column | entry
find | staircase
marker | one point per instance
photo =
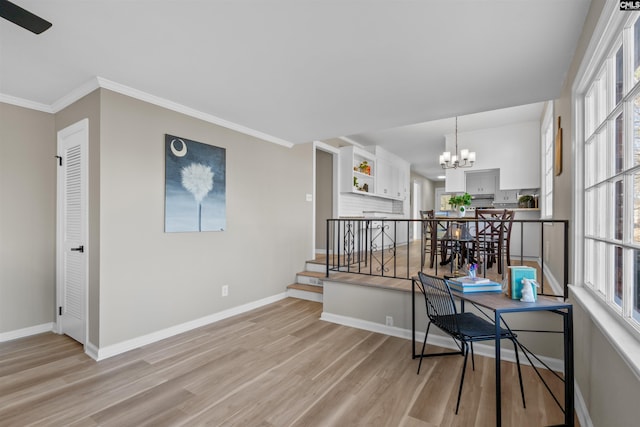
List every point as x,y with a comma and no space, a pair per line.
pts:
308,284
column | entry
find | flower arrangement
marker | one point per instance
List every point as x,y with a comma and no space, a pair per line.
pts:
460,200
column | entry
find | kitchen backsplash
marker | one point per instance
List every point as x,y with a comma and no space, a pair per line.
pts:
355,204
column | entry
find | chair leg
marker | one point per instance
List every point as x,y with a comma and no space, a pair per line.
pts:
473,362
464,367
424,344
515,346
433,253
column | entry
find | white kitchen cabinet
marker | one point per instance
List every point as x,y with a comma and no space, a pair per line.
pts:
358,170
481,182
506,196
386,177
392,175
392,179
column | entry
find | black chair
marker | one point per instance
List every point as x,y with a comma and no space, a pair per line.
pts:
464,328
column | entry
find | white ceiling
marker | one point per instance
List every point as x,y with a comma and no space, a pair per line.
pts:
302,70
422,143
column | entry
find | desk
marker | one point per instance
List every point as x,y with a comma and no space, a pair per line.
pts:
499,304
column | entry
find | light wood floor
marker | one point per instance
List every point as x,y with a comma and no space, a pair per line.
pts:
275,366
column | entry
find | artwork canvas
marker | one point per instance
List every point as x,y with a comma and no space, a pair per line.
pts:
195,186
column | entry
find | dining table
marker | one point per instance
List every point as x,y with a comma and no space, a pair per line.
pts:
456,242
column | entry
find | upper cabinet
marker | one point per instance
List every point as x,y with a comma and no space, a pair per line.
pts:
484,182
358,170
514,150
392,179
506,196
376,173
389,180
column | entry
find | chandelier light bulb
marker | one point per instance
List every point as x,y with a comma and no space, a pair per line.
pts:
466,159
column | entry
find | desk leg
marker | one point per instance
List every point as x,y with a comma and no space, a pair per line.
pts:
568,368
498,390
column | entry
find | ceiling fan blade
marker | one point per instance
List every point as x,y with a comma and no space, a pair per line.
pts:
22,17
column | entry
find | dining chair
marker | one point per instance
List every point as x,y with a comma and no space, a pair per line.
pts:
432,245
493,237
429,238
465,328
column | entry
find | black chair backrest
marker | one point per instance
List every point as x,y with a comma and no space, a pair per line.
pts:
441,308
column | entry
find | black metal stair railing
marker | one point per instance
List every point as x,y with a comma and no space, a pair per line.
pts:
395,248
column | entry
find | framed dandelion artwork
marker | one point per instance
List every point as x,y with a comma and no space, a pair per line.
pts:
195,187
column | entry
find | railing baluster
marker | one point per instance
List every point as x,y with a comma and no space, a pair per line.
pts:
352,242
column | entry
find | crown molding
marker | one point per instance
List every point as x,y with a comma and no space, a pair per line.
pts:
351,141
76,94
100,82
25,103
179,108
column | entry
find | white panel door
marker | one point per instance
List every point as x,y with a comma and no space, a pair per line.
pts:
72,254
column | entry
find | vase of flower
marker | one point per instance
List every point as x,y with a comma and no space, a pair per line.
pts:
459,204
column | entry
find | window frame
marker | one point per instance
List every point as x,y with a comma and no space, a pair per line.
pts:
595,189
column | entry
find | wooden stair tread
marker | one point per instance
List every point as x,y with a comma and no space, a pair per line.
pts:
318,274
309,288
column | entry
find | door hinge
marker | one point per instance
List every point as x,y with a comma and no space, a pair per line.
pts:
59,160
60,311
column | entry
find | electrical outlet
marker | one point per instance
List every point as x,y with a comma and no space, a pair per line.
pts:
389,321
225,290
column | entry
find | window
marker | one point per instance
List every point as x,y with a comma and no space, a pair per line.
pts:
547,162
610,130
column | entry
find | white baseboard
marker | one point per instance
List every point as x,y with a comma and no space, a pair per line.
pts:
91,350
115,349
434,339
25,332
581,408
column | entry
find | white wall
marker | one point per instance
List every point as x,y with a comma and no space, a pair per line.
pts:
514,149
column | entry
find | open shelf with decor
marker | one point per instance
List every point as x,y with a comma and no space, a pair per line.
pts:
358,167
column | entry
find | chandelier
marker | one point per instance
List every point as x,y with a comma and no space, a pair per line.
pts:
466,159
